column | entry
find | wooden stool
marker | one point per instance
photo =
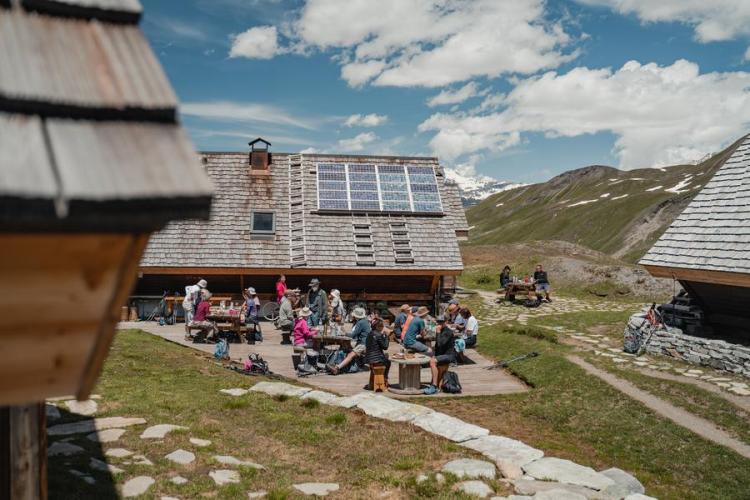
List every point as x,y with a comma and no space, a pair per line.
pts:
441,371
377,378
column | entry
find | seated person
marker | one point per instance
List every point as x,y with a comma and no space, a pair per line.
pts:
459,322
360,332
208,328
286,313
445,352
542,283
505,277
417,331
398,323
471,328
302,331
251,309
376,349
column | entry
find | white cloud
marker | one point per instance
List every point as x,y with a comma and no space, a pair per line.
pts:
309,151
260,42
428,43
173,27
356,143
247,112
448,96
713,20
371,120
661,115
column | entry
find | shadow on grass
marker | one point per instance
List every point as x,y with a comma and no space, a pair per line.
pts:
76,476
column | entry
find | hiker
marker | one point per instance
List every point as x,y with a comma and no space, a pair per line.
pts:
189,303
302,331
505,277
471,327
317,302
445,352
459,322
280,288
398,323
416,331
542,283
359,335
251,308
376,349
336,310
208,328
285,323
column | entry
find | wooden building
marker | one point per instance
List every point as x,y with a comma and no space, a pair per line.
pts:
92,160
375,227
707,248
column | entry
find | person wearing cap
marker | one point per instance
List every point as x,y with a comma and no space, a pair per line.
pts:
317,301
445,352
416,330
336,312
361,330
302,331
190,302
251,308
286,314
200,318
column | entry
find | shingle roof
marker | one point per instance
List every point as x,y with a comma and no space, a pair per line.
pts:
713,232
225,240
88,130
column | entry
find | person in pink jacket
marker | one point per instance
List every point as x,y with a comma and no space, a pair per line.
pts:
302,331
280,288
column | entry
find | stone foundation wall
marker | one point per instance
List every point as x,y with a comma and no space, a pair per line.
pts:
702,351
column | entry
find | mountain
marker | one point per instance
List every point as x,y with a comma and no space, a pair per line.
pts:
620,213
475,188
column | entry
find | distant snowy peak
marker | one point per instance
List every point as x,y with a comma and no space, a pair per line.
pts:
475,188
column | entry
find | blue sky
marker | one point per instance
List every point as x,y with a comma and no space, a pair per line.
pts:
528,88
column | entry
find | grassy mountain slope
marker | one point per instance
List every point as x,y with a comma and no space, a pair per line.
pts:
620,213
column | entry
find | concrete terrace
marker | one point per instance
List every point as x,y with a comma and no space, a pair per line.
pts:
475,379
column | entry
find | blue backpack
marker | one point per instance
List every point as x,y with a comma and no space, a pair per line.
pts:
221,351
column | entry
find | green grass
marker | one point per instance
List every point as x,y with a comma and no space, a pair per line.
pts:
573,415
296,440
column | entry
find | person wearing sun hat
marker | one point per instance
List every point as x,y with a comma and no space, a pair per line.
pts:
416,330
361,330
251,308
302,331
317,301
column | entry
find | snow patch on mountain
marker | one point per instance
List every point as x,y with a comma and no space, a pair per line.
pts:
475,187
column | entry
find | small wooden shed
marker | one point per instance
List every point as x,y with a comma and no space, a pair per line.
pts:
707,247
92,160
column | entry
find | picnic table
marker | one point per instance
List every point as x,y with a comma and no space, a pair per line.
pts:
519,288
342,341
227,323
409,374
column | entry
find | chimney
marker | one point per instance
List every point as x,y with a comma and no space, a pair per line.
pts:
260,157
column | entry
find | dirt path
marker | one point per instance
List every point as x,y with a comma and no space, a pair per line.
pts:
698,425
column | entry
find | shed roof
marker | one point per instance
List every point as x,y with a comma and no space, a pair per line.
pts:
328,239
713,232
88,130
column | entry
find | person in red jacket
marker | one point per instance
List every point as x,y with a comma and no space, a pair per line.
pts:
280,288
208,328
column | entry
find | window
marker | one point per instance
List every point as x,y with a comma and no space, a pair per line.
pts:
263,223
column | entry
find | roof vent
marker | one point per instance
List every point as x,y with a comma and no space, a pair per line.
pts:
260,157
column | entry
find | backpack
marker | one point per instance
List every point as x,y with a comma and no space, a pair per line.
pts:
451,384
459,345
221,351
256,365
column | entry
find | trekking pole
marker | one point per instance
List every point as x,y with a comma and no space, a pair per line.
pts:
505,363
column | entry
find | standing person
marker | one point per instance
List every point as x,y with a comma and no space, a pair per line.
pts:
189,303
318,303
376,349
359,335
471,328
286,315
336,312
251,307
416,330
542,283
200,318
280,288
445,352
505,277
302,331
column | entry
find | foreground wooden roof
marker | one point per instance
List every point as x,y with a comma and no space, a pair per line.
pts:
712,235
89,138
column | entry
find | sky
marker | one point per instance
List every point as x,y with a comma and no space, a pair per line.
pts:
518,90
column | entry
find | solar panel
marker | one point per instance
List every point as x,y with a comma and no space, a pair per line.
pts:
378,188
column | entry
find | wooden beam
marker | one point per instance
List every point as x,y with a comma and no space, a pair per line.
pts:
299,271
701,276
435,284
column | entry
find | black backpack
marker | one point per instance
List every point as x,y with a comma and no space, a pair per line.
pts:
451,383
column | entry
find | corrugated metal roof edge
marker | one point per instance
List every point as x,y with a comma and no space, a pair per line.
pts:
326,155
47,109
66,9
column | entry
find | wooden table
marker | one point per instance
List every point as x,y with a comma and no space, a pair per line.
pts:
323,340
521,287
409,375
227,323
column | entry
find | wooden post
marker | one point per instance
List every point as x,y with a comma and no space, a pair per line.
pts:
23,452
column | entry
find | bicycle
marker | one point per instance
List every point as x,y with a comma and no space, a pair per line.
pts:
270,311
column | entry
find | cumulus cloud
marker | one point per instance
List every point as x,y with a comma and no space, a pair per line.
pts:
428,43
356,143
371,120
260,42
661,115
245,112
448,96
713,20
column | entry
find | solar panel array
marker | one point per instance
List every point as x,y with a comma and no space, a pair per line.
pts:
378,188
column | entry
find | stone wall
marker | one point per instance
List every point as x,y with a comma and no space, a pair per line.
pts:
703,351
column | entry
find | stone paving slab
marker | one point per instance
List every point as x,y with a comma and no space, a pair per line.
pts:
531,487
137,486
279,389
565,471
470,468
449,427
106,436
501,448
97,424
625,484
474,488
322,397
316,489
159,431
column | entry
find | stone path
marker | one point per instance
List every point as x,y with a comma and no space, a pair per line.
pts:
698,425
476,381
529,471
